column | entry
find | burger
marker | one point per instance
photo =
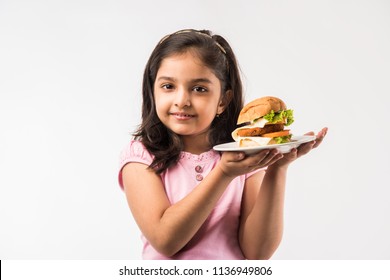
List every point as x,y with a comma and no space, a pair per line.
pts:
262,122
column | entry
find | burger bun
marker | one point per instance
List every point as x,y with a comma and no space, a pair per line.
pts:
259,108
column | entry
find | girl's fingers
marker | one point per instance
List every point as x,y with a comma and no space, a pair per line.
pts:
273,160
234,156
310,133
247,160
264,159
320,136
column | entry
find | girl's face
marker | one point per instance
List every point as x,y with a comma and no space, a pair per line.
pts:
187,95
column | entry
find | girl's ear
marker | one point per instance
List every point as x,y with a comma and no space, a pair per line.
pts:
224,102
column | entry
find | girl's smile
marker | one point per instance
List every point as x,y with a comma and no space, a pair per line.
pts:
187,96
182,116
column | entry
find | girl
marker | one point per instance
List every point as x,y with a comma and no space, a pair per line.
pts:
189,201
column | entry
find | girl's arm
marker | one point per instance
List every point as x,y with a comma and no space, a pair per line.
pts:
261,225
170,227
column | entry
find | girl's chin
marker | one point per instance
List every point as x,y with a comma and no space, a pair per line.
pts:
184,131
187,130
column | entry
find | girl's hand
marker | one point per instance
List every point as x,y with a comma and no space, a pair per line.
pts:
235,164
302,149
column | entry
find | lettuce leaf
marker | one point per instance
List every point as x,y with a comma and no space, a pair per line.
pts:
282,139
287,115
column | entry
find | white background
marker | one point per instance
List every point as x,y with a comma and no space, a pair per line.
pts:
70,80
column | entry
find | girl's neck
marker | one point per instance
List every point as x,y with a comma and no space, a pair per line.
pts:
196,144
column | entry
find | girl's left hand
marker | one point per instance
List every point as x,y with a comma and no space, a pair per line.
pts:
302,149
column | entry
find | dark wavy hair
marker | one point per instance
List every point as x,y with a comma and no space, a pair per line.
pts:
215,52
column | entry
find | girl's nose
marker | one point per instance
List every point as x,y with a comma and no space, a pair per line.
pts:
182,99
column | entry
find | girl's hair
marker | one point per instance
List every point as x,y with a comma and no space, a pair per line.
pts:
216,54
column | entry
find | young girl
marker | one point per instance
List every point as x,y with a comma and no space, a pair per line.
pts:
189,201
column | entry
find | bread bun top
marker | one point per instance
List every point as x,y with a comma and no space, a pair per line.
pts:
259,108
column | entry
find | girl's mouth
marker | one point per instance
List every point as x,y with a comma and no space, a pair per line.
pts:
182,116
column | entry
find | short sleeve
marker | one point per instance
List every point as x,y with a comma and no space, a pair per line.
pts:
135,151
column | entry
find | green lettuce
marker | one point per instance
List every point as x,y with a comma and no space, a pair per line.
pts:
282,139
287,115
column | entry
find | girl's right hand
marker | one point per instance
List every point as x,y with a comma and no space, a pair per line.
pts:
234,164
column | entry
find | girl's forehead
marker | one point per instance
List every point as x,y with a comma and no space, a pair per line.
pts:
184,62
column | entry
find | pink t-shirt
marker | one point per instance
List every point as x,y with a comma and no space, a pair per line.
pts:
218,236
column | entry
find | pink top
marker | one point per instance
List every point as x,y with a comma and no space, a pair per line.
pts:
218,236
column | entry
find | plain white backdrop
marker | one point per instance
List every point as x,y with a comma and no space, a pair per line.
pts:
70,80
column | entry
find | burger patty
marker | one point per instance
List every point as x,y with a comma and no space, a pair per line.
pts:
258,131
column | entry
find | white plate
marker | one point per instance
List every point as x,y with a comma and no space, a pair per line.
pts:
282,148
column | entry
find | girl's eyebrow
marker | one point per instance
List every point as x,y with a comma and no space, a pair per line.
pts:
201,80
166,78
198,80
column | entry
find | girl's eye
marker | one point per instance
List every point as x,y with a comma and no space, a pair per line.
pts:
167,86
199,89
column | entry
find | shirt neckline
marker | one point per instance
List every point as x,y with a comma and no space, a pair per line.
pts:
208,155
